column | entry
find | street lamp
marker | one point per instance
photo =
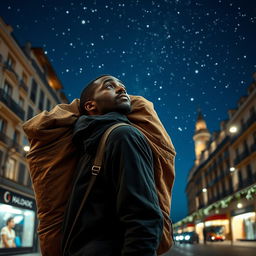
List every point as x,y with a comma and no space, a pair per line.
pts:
233,129
239,205
204,190
26,148
232,169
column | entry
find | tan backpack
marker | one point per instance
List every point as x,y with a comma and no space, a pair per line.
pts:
52,160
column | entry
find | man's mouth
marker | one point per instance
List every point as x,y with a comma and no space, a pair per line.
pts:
123,96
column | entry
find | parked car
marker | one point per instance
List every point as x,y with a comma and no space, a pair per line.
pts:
215,233
186,237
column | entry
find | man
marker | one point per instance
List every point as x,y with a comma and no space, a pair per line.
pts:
122,214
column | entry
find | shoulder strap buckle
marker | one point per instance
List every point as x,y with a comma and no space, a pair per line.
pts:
96,170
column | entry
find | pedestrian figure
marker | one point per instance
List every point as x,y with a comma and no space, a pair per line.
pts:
122,214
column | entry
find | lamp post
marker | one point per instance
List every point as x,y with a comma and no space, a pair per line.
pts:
233,129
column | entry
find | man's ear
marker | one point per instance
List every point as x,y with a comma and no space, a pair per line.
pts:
90,106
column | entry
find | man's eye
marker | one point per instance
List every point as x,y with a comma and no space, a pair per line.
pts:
109,86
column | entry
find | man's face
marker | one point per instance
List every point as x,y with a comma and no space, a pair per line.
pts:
110,95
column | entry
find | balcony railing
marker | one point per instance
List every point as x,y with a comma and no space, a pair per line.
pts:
246,183
10,68
10,143
242,156
11,104
253,148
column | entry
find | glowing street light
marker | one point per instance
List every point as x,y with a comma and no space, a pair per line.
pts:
232,169
239,205
233,129
204,190
26,148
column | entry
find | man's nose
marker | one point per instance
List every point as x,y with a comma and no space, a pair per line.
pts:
120,89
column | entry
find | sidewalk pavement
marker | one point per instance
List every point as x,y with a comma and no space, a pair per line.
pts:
235,243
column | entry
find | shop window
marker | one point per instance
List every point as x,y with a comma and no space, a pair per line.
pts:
21,173
33,91
13,207
41,100
7,89
30,113
10,169
244,226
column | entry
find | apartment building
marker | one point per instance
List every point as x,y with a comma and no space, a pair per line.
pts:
28,85
221,185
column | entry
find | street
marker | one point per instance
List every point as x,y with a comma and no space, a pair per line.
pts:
210,250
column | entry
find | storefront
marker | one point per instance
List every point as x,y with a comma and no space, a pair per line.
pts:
216,227
18,214
199,226
244,224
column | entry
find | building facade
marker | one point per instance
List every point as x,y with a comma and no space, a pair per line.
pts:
221,186
28,85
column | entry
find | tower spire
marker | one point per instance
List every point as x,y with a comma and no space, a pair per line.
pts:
201,136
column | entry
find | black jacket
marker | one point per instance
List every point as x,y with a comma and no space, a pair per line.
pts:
122,216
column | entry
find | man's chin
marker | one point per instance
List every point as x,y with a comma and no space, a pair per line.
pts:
124,108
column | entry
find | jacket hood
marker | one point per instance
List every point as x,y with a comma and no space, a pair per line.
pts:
89,129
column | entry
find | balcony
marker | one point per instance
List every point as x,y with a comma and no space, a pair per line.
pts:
23,86
11,144
253,148
246,183
241,157
12,105
11,71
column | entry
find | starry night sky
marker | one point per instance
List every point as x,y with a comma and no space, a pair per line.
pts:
179,54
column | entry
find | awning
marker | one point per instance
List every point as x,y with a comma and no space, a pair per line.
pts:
216,217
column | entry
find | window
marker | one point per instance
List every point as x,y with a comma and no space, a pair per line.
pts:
10,62
30,112
48,105
249,173
21,102
1,159
252,111
242,123
24,225
240,178
7,89
245,146
3,125
33,91
24,78
10,169
21,173
16,137
41,100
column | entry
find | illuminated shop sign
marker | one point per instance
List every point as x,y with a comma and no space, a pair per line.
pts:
11,198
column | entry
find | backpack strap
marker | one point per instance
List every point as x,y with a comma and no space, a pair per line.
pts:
97,164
